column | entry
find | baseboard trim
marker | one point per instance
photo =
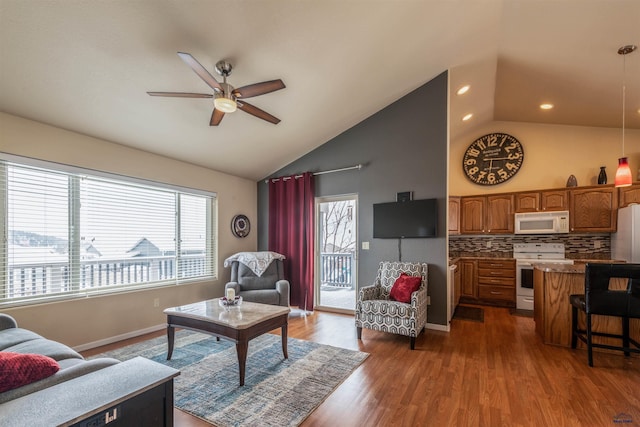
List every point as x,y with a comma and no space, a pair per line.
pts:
438,327
111,340
133,334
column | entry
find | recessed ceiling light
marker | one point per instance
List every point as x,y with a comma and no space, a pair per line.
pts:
546,106
467,117
463,90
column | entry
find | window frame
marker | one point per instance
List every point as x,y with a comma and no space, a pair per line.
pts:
76,174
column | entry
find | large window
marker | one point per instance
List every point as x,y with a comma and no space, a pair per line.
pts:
68,233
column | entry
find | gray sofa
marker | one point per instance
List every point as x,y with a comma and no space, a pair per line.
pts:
268,288
72,364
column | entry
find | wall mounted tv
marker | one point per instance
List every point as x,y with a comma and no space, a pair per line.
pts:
410,219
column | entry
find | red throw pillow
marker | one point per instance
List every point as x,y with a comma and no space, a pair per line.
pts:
404,286
17,369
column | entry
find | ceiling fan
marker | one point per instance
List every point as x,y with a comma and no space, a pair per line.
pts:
226,98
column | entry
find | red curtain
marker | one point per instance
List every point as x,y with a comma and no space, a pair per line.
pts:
291,232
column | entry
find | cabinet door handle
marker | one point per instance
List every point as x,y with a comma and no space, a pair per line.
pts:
496,293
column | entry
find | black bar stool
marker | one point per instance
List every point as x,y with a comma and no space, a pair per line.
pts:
599,299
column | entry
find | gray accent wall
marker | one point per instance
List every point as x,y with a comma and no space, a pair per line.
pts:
403,147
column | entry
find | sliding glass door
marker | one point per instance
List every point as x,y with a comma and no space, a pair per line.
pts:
336,253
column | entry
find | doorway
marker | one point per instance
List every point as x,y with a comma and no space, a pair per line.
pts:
336,253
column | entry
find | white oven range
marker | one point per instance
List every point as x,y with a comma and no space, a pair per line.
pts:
527,254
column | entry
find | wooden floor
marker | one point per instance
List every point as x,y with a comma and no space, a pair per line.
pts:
496,373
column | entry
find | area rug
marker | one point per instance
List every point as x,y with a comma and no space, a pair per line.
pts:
277,391
463,312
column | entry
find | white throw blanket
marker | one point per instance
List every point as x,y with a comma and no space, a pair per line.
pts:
258,262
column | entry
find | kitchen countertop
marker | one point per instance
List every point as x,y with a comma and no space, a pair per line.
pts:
560,268
576,268
576,257
497,258
496,254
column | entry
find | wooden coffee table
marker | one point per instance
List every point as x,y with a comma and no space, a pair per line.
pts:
239,324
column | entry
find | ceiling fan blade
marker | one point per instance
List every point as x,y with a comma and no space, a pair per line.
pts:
258,89
200,70
255,111
181,94
216,117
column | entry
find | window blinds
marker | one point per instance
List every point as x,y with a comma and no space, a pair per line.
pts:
69,234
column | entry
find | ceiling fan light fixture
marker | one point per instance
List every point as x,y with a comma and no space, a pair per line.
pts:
225,96
226,105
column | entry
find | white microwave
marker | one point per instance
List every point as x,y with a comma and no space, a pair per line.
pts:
542,222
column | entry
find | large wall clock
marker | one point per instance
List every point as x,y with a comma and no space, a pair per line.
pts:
493,159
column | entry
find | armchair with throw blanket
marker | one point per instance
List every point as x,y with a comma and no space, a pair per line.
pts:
396,302
259,277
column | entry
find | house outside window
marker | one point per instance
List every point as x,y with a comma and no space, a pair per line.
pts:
69,233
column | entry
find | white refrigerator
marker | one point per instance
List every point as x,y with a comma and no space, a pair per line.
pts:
625,243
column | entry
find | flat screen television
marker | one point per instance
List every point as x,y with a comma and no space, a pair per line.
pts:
400,220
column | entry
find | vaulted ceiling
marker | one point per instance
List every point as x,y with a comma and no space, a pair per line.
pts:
86,65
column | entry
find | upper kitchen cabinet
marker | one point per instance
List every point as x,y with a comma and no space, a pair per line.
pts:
554,200
548,200
593,209
472,215
527,202
487,214
629,195
500,213
454,215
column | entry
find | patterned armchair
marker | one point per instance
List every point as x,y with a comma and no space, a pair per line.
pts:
374,309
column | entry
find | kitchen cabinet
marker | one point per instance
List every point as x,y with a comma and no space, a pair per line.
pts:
497,281
554,200
468,278
527,202
628,195
472,215
593,209
536,201
491,214
488,281
454,215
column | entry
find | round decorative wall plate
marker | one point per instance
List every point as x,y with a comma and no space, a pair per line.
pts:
492,159
240,226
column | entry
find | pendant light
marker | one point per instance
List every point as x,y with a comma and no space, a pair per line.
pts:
623,174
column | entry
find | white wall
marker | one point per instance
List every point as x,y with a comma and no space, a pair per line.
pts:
87,320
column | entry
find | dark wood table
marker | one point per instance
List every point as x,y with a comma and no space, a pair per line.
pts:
239,324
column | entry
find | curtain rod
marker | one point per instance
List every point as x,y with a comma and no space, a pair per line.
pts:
266,181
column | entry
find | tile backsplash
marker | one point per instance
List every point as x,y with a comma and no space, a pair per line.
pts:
577,246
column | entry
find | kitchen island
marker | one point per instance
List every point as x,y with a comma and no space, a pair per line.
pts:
552,286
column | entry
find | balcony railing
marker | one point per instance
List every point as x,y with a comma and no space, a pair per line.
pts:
26,280
336,270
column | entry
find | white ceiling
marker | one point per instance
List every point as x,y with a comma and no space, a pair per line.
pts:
86,66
